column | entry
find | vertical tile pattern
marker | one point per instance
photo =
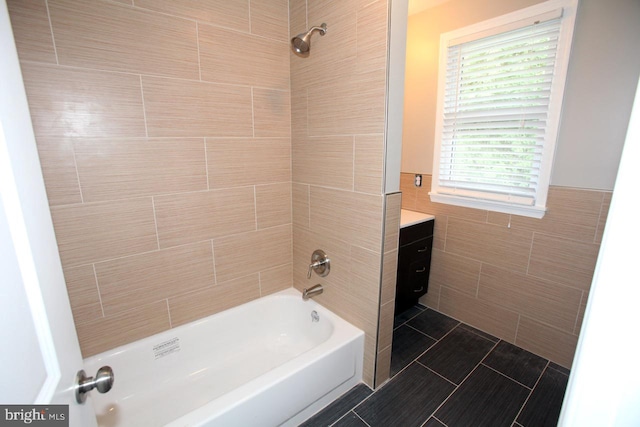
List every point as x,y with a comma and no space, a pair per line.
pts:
163,129
337,128
524,280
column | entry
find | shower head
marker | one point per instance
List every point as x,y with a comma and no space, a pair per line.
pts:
302,42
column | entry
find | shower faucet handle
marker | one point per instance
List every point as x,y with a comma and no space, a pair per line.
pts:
320,263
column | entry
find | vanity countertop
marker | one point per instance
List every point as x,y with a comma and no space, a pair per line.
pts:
408,218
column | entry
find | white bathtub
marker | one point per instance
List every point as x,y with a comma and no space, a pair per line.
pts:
265,363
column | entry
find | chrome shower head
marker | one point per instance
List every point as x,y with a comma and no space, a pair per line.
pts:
302,42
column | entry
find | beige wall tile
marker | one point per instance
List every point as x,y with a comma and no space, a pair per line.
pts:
432,298
548,342
553,304
571,213
324,161
365,276
197,108
563,261
276,279
298,110
273,205
487,317
383,367
271,113
409,192
456,272
226,13
440,232
126,283
604,212
499,246
297,16
338,46
389,272
107,36
193,217
392,221
498,218
225,57
110,332
372,35
205,302
99,231
269,18
31,30
82,103
300,194
83,293
354,217
368,163
241,162
252,252
121,168
348,105
385,331
59,170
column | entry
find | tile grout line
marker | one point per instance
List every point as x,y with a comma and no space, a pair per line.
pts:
438,374
515,420
533,237
198,46
462,382
508,377
53,38
575,324
213,257
155,222
144,109
206,164
95,275
169,313
75,165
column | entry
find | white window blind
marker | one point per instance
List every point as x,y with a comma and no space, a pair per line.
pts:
497,111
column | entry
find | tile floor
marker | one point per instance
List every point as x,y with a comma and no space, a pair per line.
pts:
446,373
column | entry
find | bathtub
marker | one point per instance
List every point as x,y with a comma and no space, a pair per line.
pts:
273,361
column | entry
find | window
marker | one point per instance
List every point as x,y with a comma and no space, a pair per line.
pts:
500,89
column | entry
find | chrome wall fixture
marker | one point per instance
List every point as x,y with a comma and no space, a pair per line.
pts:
320,263
301,43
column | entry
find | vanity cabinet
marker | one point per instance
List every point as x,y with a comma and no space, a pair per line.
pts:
414,263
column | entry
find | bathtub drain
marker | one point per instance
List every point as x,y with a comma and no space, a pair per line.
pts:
314,316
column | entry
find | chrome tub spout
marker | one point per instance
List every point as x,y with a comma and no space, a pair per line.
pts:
311,292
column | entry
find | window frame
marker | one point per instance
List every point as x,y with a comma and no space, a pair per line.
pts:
494,26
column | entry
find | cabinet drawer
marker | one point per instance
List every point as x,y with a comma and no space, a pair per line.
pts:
420,249
416,232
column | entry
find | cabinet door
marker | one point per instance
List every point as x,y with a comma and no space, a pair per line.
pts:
414,262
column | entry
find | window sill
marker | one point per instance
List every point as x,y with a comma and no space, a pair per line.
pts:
490,205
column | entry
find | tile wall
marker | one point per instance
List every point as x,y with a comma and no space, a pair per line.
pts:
338,119
524,280
163,128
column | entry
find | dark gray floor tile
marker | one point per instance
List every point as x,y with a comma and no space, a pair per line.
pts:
408,314
434,423
407,345
432,323
557,367
350,420
339,407
407,400
543,407
516,363
486,398
479,332
455,355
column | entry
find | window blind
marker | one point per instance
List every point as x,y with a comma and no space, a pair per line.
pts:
496,105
